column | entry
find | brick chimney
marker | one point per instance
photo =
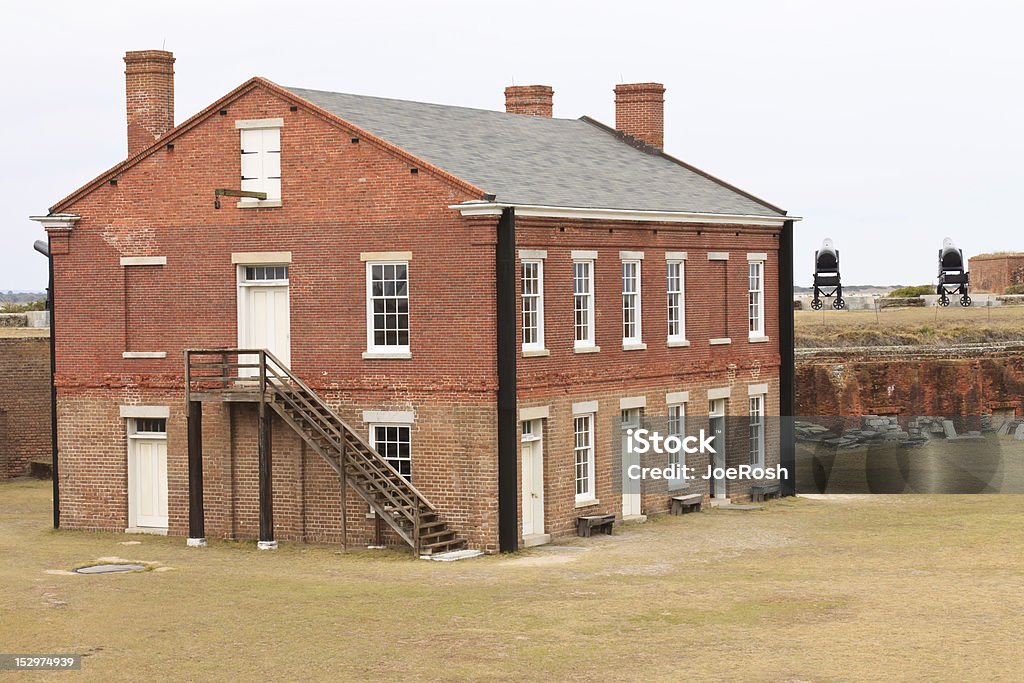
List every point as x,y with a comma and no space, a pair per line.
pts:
532,100
640,112
149,85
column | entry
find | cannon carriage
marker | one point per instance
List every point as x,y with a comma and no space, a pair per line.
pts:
953,275
827,282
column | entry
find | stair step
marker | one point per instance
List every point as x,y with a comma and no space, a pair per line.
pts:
439,546
436,535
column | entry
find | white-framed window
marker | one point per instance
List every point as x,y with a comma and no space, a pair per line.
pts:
583,303
261,159
387,306
675,288
264,275
631,313
677,427
394,443
757,431
755,297
583,428
532,292
147,427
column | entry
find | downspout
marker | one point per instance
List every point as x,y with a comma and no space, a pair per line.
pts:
787,358
44,249
508,427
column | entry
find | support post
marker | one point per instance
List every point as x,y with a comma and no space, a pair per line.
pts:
508,423
343,462
787,357
267,541
196,514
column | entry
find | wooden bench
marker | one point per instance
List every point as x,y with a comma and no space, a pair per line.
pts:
587,525
692,502
762,492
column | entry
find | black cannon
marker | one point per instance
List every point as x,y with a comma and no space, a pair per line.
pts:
953,276
826,277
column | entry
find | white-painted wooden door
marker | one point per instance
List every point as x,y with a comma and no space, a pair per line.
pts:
147,498
630,486
716,424
533,478
264,316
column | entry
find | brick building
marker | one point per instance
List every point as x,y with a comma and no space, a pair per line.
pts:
996,272
471,300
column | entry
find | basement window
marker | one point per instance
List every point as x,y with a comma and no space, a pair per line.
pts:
394,443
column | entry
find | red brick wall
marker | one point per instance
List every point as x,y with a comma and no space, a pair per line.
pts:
24,404
339,199
716,306
910,383
995,272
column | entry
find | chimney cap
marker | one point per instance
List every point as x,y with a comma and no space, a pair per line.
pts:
132,56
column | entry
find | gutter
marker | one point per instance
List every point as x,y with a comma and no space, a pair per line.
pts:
492,208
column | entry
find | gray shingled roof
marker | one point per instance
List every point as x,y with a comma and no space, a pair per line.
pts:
540,161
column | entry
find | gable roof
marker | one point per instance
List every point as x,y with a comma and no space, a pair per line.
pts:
533,160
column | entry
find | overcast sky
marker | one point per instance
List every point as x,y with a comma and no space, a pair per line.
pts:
885,125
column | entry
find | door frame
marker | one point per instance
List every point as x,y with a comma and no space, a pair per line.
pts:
634,497
717,409
535,439
243,289
134,438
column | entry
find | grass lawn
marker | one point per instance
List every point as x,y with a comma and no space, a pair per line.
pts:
863,588
909,326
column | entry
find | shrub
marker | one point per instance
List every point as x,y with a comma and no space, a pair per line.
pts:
1014,289
23,308
915,290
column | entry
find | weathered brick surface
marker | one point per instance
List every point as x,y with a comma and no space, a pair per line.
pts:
995,272
910,381
24,404
340,199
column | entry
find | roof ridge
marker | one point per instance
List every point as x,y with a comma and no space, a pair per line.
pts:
429,104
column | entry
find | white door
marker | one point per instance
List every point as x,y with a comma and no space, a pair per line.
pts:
263,313
533,478
716,423
147,477
630,486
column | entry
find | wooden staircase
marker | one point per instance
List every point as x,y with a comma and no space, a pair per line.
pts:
392,498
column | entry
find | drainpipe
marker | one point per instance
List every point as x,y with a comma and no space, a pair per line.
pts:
787,357
44,249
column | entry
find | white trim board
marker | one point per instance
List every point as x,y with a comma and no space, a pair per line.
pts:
385,256
145,412
244,124
535,413
400,417
255,258
482,208
584,407
143,260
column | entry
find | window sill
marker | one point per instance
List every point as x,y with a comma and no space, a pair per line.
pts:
535,353
759,340
634,346
144,354
677,487
673,343
387,355
588,503
586,349
720,340
260,204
